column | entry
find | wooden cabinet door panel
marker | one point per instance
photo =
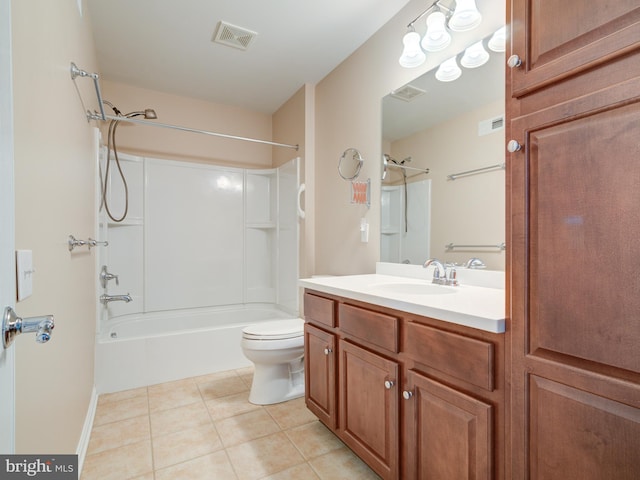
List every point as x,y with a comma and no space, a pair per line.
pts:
320,374
577,434
557,39
368,410
450,433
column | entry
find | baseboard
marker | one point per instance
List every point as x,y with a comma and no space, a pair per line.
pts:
83,444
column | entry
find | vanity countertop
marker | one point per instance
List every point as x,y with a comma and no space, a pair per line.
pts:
476,303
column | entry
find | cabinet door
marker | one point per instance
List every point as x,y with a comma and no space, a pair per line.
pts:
320,374
369,407
449,434
557,39
575,306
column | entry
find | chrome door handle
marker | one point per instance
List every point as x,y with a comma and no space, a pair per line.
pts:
327,351
388,384
13,325
407,394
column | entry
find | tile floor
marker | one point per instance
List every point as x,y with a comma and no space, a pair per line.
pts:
205,428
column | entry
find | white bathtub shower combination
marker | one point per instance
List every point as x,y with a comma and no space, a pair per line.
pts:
204,251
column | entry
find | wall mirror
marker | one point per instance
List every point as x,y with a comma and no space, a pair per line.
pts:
456,130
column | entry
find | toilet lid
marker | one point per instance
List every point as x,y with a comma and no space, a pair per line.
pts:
275,330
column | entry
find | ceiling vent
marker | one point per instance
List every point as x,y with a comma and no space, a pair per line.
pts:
407,93
233,36
491,125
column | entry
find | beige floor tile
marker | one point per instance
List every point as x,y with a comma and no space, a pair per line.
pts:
173,394
210,377
263,456
215,466
291,414
222,387
185,445
148,476
299,472
119,463
245,427
180,418
120,433
121,410
342,464
314,439
246,374
225,407
124,395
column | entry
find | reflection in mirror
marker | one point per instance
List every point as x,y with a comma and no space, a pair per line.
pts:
456,130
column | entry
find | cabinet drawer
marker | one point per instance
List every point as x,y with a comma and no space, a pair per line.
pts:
373,327
461,357
320,310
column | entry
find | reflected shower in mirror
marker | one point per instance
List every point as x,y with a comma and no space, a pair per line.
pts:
454,129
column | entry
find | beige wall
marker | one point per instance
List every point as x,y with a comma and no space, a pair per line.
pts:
191,113
54,184
348,114
469,210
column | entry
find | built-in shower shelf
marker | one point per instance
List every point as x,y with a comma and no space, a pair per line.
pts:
261,225
389,231
126,223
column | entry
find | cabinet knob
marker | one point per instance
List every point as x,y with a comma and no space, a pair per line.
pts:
514,146
388,384
327,351
407,394
514,61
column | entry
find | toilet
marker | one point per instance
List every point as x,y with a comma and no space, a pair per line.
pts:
276,349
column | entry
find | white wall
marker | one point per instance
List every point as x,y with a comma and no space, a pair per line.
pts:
54,183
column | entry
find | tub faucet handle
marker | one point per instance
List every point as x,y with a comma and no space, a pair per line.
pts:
105,276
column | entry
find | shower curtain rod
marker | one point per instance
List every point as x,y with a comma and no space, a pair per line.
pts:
77,72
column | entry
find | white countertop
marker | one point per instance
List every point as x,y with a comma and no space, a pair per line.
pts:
472,304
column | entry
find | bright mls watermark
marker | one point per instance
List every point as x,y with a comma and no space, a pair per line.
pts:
50,467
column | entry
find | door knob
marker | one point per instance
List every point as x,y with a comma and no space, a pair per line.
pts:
514,61
407,394
327,351
513,146
388,384
13,325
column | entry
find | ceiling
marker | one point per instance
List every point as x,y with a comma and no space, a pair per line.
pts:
166,45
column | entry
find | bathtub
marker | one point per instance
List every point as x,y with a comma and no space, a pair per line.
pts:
144,349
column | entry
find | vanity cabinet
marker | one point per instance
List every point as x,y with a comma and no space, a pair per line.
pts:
573,105
414,397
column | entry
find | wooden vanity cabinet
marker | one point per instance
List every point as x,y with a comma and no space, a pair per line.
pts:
414,400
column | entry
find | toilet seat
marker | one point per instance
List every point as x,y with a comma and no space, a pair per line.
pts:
275,330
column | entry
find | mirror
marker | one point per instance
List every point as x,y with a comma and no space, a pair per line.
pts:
455,130
350,164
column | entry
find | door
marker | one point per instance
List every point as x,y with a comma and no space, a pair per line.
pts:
320,374
7,258
369,408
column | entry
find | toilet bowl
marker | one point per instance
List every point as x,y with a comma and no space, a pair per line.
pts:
276,349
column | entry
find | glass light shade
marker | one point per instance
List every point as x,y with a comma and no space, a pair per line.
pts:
498,41
437,38
412,54
474,56
448,71
465,17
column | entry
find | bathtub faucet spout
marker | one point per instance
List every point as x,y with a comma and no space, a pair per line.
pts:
105,299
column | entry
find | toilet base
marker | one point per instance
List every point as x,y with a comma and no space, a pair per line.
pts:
277,383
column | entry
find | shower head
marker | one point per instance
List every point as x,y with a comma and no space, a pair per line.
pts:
148,113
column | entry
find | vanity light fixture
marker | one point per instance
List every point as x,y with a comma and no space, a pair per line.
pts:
474,56
448,71
498,41
465,17
412,55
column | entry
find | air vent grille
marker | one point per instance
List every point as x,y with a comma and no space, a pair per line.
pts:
407,93
233,36
485,127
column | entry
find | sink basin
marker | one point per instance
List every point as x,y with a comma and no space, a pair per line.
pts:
413,288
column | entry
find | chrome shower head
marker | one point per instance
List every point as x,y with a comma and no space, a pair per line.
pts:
148,113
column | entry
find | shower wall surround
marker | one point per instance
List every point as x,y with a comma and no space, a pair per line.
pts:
200,235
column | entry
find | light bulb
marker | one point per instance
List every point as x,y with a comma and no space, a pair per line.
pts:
437,38
498,41
465,17
448,71
412,54
474,56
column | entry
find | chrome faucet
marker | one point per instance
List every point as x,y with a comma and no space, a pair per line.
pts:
442,275
13,325
105,299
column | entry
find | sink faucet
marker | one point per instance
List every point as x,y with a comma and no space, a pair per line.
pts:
105,299
442,275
